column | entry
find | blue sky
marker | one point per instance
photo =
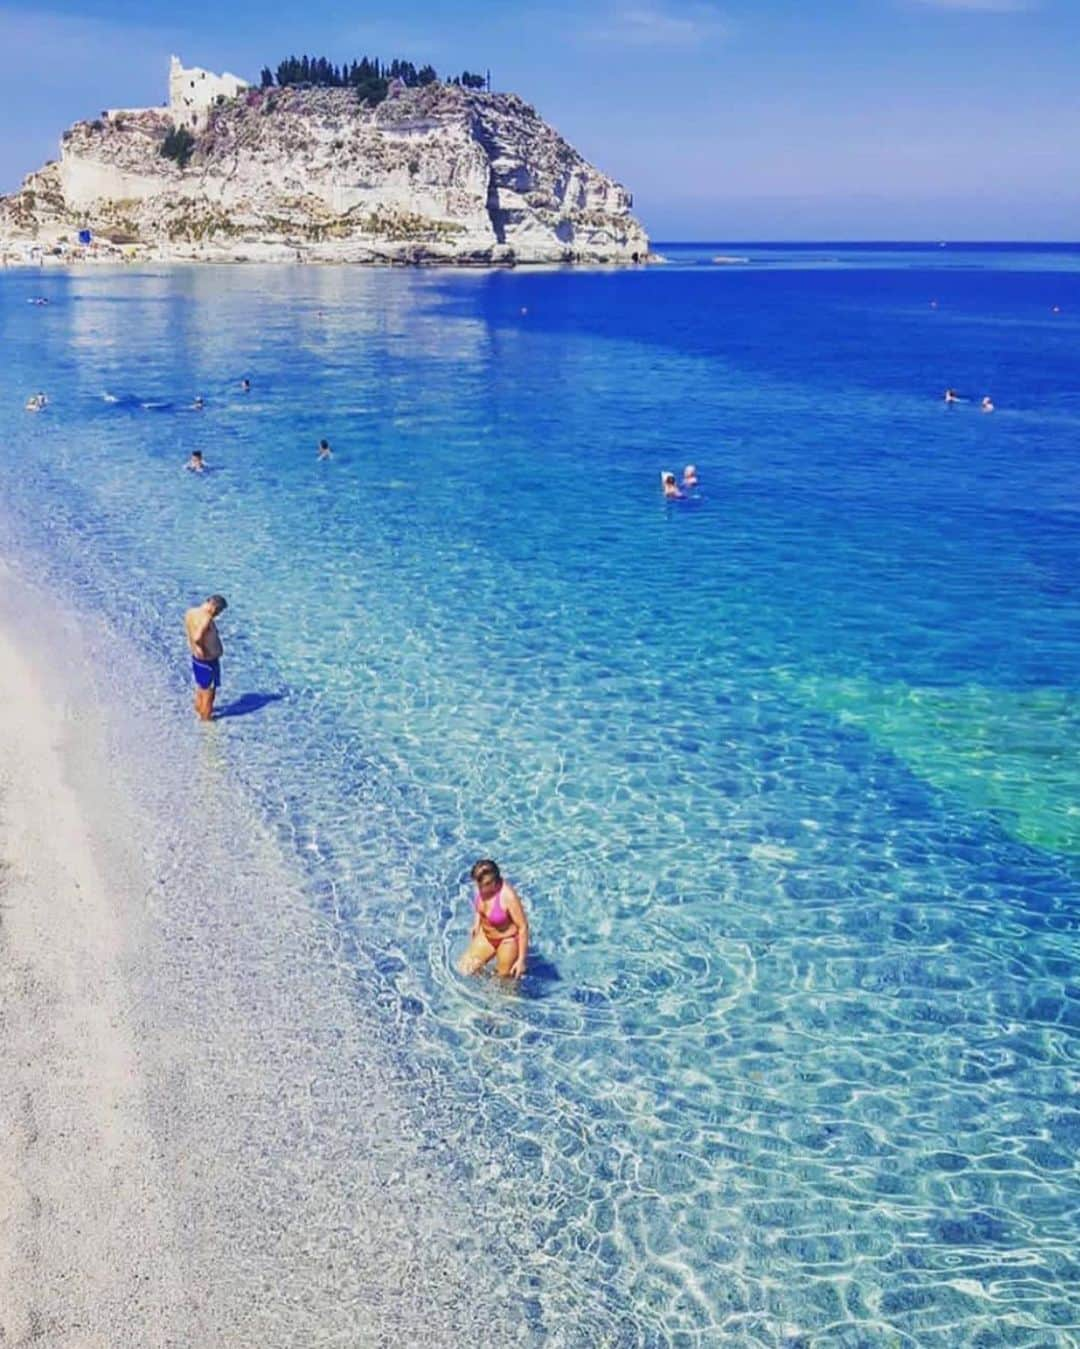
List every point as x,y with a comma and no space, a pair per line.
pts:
743,119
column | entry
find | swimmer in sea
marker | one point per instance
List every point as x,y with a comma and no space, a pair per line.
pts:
951,396
245,385
670,487
325,452
195,463
199,403
987,404
500,928
690,477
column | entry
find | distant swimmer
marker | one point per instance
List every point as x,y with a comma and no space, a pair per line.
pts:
37,402
500,928
37,299
325,452
951,396
199,403
245,385
195,464
987,404
205,644
690,477
670,487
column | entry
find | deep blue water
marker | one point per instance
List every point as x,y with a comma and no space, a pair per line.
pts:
787,773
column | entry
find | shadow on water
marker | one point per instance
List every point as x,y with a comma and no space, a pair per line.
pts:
247,703
542,968
538,981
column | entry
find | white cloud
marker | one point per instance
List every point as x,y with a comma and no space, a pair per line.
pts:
648,25
985,6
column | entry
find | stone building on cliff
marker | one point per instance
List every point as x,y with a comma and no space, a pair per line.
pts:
193,90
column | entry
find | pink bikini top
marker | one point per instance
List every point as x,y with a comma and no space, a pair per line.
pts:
498,917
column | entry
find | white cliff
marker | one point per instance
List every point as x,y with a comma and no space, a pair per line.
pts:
433,174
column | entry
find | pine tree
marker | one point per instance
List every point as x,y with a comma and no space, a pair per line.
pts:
369,76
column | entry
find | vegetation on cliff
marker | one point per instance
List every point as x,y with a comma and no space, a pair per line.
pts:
178,145
370,77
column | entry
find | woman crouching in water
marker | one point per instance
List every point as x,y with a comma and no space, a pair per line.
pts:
500,928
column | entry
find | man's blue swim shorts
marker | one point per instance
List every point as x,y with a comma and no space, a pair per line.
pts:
207,673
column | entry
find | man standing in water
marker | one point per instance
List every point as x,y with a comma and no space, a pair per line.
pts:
205,643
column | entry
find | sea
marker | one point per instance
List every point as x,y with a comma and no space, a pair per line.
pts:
787,772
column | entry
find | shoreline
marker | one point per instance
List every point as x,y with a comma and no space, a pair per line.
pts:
47,263
205,1142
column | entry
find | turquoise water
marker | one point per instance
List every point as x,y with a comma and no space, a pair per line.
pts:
787,775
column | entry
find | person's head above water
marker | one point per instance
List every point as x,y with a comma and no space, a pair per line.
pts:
668,479
689,473
487,876
217,604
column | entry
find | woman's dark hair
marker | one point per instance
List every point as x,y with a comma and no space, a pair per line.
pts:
485,870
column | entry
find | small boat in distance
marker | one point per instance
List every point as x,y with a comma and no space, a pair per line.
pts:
725,260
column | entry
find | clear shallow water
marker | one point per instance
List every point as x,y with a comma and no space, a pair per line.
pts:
788,776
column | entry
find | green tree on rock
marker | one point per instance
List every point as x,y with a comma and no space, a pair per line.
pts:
178,145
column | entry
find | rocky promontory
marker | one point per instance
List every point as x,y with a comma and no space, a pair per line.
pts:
433,174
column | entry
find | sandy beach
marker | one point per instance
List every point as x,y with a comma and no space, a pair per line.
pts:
84,1250
199,1145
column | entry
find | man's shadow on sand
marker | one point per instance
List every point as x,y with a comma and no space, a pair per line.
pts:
246,704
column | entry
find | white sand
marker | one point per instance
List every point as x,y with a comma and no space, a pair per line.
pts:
83,1259
206,1138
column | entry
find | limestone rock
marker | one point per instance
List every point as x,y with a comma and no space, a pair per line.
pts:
434,174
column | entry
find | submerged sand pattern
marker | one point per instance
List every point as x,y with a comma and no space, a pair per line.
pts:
1010,753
